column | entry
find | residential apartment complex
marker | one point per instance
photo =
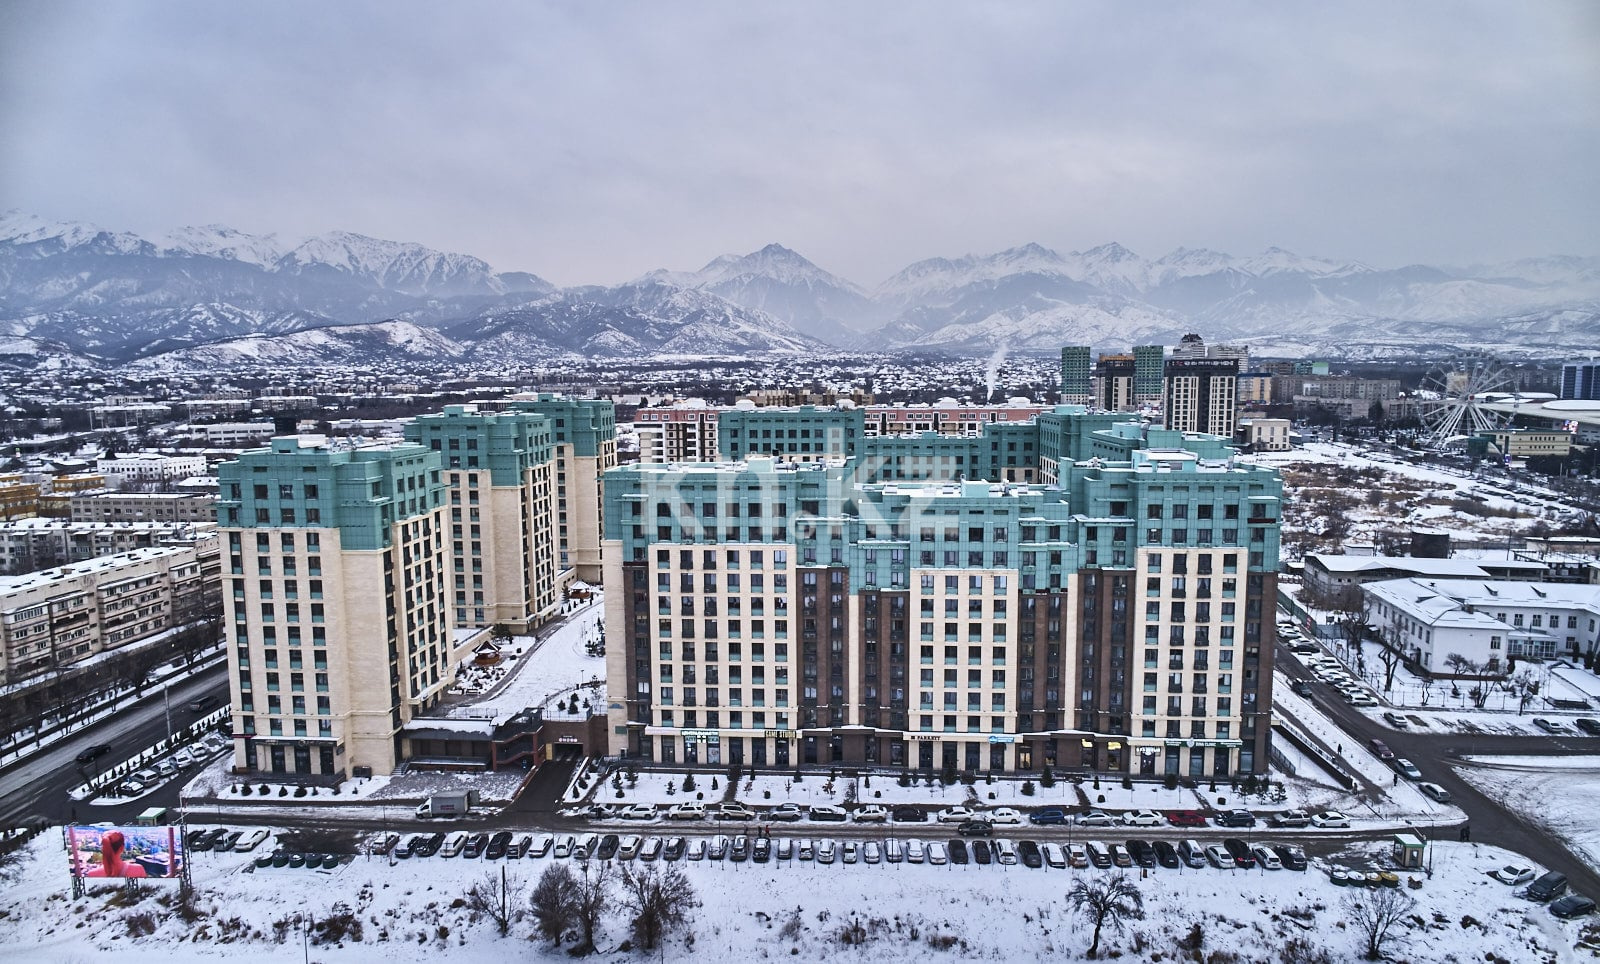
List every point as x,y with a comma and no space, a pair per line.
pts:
337,601
775,612
56,618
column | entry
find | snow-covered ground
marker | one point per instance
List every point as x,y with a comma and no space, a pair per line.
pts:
410,911
1556,793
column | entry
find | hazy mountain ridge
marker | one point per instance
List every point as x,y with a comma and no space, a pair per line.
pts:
77,291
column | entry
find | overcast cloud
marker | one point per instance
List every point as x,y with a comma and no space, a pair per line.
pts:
591,142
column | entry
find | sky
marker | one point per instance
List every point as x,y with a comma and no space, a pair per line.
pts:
590,143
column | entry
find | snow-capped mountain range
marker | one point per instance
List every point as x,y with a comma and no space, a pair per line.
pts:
214,296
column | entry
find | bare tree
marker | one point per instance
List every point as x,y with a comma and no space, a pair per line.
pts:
1524,687
659,899
1109,900
498,897
591,898
554,902
1375,913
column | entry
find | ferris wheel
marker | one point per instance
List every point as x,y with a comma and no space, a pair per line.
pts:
1463,385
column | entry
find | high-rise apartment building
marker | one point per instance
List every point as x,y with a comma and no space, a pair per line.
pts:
1075,388
1581,380
584,431
776,613
336,594
500,471
1202,395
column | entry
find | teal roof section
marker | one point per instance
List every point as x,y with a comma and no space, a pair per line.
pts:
307,482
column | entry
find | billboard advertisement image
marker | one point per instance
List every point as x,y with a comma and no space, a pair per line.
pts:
155,852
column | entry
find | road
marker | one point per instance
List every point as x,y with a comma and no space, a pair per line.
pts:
1437,755
38,785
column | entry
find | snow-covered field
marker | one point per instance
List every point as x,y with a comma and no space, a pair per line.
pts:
411,912
1556,793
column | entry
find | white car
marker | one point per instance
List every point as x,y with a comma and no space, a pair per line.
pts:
687,811
1143,818
1329,818
871,813
952,814
1005,815
250,841
1514,874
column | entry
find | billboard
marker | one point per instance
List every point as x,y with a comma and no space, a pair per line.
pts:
155,852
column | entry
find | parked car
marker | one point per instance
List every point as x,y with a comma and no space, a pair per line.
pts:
1513,874
871,813
687,811
827,850
735,811
953,814
1240,852
1550,885
652,848
975,828
1381,749
1186,818
1095,818
1330,819
90,754
786,812
828,813
1266,857
1435,791
1551,726
958,851
1407,769
909,814
1142,818
1572,906
1220,858
1236,818
938,854
1289,818
1049,815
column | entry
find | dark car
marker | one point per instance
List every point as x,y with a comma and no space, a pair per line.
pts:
608,846
476,844
499,845
1142,853
1591,727
1236,818
975,828
1546,887
1186,818
958,851
94,753
905,814
981,852
1167,855
1572,905
1240,852
1049,815
1293,857
1029,852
